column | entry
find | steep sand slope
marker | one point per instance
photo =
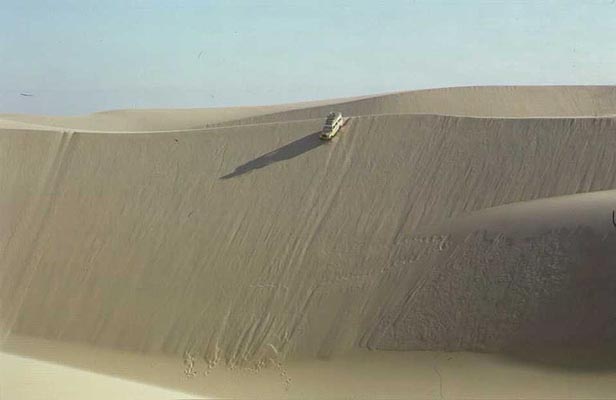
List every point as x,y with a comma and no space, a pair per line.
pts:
254,245
252,241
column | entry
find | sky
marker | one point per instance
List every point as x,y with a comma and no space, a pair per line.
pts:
71,57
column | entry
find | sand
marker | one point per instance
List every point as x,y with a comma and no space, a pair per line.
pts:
471,223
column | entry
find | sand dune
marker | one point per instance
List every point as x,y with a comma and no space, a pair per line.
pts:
255,243
545,275
485,101
151,119
27,378
362,374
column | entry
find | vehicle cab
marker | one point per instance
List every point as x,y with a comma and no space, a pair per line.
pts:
332,125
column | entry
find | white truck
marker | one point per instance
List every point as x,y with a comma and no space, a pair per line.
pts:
332,125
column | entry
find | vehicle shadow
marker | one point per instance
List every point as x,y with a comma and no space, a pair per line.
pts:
285,152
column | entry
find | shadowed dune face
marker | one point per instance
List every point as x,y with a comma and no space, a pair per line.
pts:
502,294
494,282
260,242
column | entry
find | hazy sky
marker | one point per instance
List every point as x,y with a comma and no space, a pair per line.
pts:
82,56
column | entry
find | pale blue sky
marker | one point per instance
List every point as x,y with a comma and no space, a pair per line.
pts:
80,56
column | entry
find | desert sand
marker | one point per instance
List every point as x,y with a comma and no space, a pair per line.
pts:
448,243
